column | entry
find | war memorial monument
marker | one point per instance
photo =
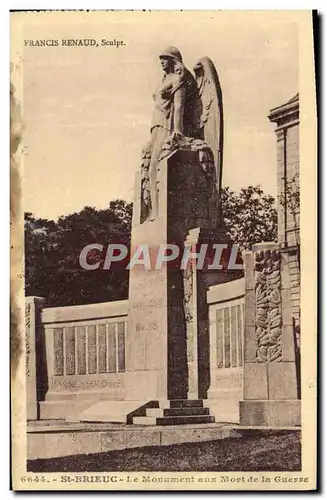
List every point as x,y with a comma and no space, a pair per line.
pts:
196,346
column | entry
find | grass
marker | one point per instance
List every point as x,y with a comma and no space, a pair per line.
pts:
280,451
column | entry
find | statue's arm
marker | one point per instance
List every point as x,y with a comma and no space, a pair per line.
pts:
179,104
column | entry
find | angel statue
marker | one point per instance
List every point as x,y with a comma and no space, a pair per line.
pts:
187,114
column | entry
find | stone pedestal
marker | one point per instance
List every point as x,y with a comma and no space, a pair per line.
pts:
33,306
156,344
270,383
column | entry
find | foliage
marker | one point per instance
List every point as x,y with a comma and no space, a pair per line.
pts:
52,250
290,198
249,216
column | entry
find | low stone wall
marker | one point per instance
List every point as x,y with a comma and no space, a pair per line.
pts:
83,354
226,318
56,442
81,357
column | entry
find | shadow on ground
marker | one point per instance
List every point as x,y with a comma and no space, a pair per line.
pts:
276,452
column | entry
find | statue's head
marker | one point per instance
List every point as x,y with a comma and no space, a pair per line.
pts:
169,57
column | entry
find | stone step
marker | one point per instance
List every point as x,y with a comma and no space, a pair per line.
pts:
180,420
184,420
185,403
145,420
176,412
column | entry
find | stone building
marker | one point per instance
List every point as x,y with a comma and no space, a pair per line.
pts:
287,119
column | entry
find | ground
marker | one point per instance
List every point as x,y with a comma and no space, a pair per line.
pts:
280,451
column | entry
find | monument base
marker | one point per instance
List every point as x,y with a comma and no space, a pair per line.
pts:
161,347
282,413
175,412
224,405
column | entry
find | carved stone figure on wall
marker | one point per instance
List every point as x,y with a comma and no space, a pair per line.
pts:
187,115
268,306
188,292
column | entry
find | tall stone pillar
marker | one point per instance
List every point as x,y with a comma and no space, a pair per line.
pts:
33,307
156,344
270,380
197,280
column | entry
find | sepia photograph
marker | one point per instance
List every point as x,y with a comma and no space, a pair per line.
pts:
163,194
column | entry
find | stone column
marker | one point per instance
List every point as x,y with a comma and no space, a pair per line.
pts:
197,281
270,383
190,307
33,306
156,364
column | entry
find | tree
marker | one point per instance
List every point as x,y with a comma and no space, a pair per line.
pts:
249,216
52,251
289,199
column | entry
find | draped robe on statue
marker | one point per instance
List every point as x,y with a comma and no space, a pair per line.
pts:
183,85
187,115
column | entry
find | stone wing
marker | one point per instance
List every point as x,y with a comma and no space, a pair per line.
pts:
211,120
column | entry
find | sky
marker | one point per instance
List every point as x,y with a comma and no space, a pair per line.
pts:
87,111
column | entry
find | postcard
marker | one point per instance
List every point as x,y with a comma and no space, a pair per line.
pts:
163,250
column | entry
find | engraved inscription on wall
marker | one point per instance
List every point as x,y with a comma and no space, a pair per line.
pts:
145,306
89,349
229,335
69,383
